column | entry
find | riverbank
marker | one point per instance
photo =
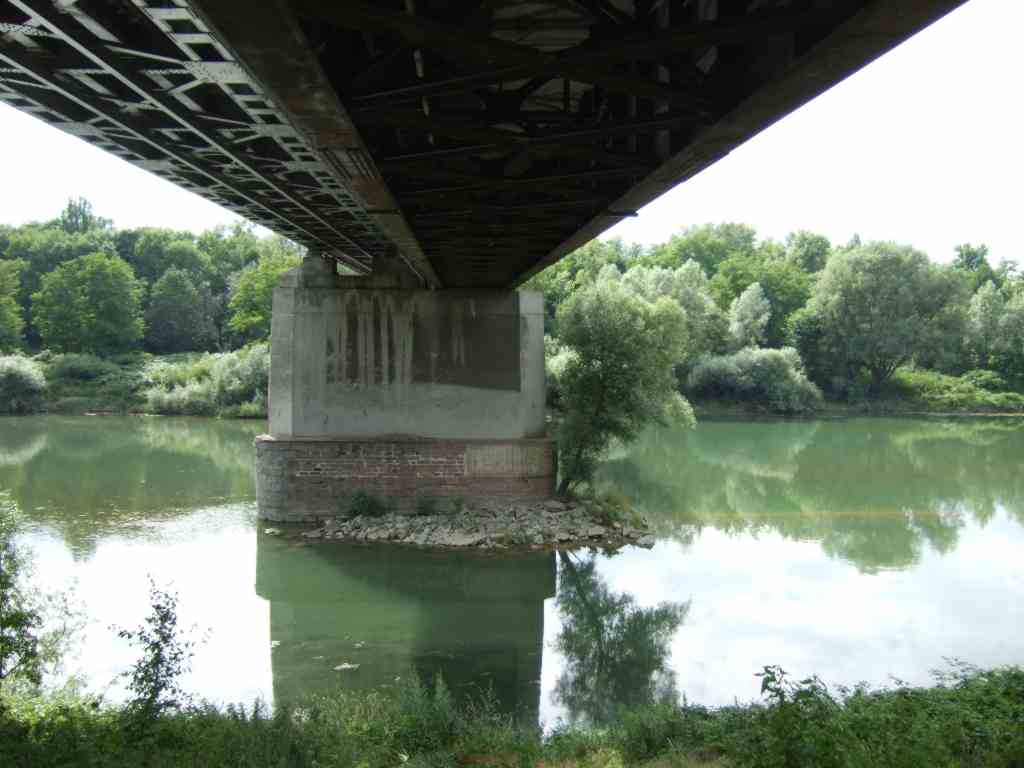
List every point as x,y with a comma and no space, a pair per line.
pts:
968,718
490,525
226,384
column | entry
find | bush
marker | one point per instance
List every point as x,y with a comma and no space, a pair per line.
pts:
937,391
773,378
22,385
75,367
232,384
366,505
987,380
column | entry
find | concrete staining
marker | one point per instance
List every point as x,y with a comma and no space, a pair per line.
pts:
355,362
401,393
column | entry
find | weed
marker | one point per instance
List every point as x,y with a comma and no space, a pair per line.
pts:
366,505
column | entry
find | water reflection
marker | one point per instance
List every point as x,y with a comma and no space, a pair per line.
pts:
615,652
89,477
476,620
849,549
873,492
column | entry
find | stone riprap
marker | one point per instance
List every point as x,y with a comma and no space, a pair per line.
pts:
489,526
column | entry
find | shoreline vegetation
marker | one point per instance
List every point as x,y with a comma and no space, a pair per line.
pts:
968,718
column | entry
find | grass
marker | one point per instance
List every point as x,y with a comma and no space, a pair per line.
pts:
969,718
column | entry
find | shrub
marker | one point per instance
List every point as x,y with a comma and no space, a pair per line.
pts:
366,505
75,367
771,377
22,385
987,380
192,399
951,393
230,384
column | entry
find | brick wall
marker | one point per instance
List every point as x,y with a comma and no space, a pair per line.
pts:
300,480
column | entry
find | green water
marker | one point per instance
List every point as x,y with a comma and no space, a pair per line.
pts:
855,550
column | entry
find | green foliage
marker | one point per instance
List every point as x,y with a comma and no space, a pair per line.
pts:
22,385
577,270
177,320
971,392
227,384
706,325
253,293
708,245
879,305
786,287
90,304
19,619
749,314
366,505
617,375
78,217
76,367
166,654
807,251
12,325
773,378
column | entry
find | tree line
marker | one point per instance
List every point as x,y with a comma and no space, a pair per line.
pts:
854,313
78,284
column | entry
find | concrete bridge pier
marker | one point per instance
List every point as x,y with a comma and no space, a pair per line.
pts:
380,387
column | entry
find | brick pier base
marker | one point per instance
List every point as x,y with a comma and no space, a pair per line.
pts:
304,479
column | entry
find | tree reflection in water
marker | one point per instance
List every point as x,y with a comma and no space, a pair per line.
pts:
872,492
616,652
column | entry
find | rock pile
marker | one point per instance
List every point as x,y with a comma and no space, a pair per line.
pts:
491,526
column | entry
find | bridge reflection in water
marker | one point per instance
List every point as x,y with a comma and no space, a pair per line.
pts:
476,620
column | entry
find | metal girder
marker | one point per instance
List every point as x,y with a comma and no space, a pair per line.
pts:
184,109
456,42
483,140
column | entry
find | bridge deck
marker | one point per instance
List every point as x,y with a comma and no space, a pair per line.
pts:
482,138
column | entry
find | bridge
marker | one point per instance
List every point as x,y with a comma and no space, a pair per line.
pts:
428,145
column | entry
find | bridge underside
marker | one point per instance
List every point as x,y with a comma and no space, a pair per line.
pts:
480,140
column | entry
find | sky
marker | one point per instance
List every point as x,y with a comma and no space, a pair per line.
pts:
923,146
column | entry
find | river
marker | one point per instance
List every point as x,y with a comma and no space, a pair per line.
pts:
856,550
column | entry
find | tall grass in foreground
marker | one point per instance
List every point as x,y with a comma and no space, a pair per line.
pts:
969,718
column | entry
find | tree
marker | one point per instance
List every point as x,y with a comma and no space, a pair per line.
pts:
177,319
786,287
749,316
708,245
253,295
984,318
577,270
78,217
12,325
616,376
706,324
972,262
154,251
90,304
807,251
881,304
970,258
41,249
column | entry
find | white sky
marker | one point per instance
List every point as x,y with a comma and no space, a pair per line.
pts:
923,147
